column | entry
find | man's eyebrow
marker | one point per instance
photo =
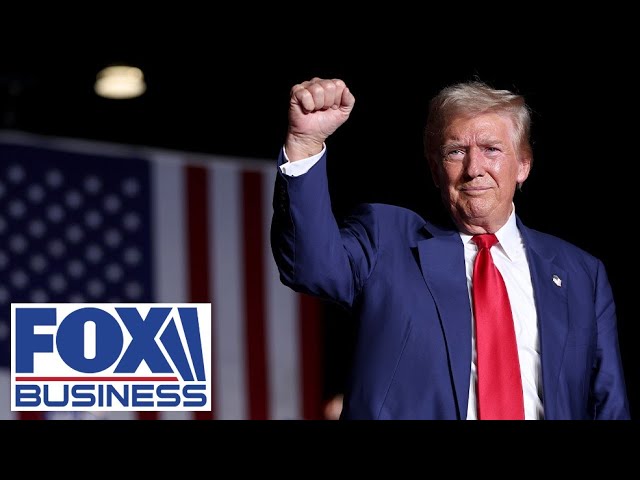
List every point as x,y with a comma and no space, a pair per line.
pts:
452,144
490,140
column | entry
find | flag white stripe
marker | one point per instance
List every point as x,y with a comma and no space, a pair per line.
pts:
112,415
175,415
225,230
5,395
282,328
169,227
170,239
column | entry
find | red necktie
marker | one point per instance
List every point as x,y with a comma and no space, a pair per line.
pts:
498,368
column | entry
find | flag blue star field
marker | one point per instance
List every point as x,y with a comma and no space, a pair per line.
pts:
90,222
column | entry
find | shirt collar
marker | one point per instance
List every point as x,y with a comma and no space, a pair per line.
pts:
508,236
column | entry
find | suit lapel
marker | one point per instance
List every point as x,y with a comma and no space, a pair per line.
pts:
441,261
549,288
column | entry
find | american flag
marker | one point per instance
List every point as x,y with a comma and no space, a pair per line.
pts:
85,221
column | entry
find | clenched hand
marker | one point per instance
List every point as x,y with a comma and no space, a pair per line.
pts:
317,108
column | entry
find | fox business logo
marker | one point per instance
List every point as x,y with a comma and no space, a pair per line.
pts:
80,357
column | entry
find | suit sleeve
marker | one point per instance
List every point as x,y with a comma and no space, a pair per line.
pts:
608,391
313,253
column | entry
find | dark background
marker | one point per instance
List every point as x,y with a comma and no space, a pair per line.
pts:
228,94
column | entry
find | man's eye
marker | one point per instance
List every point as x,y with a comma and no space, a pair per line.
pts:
455,154
493,149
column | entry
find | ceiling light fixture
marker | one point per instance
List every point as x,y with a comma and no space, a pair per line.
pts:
120,82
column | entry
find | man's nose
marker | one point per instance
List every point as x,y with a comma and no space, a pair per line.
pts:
474,165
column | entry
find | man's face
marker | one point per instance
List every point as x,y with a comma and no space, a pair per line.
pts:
479,169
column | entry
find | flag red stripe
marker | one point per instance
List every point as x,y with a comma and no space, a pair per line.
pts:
253,238
147,415
310,353
31,415
198,246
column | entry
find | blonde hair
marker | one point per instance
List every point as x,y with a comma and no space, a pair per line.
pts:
474,98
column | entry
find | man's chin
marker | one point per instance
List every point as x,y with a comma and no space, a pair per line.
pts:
474,220
476,209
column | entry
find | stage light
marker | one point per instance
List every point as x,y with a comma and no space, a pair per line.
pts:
120,82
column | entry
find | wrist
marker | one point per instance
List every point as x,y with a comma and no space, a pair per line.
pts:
300,147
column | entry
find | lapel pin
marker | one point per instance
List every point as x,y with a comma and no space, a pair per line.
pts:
557,281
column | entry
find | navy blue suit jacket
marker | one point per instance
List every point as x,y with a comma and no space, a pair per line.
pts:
404,278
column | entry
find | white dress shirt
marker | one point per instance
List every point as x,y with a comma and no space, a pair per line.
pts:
510,259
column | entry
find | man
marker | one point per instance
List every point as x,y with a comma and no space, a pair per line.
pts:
427,316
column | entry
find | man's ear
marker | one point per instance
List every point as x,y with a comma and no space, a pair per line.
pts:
524,167
435,171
